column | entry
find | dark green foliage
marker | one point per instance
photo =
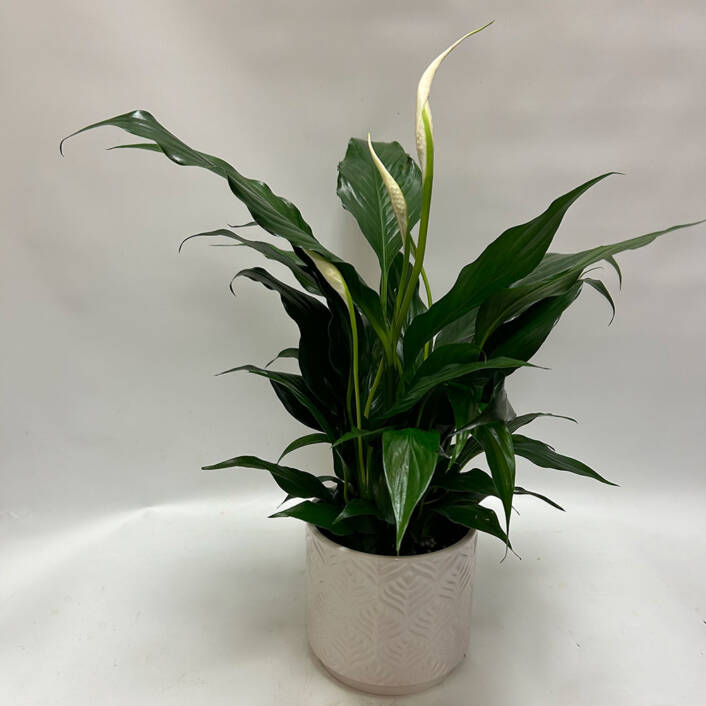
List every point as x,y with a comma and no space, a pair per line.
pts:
405,393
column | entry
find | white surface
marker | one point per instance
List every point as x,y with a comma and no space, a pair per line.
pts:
109,339
203,603
390,625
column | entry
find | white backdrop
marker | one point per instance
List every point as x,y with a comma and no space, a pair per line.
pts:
110,338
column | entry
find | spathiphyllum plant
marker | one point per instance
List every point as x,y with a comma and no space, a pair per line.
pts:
408,391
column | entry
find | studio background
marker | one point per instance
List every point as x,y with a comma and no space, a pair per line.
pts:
110,338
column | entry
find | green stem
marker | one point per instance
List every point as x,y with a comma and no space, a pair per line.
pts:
373,388
423,228
408,243
356,386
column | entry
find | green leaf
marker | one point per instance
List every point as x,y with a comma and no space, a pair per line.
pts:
271,252
496,441
473,481
322,515
294,395
556,263
473,516
473,448
409,457
522,337
363,194
302,441
273,213
285,353
522,491
510,302
543,455
425,381
603,291
614,264
312,319
298,484
507,259
462,330
359,507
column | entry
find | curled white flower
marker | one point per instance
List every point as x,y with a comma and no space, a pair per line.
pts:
397,199
423,90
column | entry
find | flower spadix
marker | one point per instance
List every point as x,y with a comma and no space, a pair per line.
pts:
397,199
331,274
423,90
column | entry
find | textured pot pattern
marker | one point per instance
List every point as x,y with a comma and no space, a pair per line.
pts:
389,625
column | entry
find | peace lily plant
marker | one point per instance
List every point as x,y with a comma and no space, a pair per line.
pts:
408,391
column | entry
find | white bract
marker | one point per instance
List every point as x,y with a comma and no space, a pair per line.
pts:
397,199
423,90
331,274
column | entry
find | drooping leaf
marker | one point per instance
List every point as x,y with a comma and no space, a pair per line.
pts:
302,441
363,194
507,303
271,252
321,514
545,456
294,394
557,263
603,291
312,319
497,443
522,337
273,213
614,264
473,516
522,491
285,353
298,484
409,457
510,257
473,448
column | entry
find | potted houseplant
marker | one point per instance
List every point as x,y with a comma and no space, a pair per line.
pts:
407,391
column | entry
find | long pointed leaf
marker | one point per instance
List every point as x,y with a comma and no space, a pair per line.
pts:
409,458
510,257
475,517
423,383
543,455
322,515
302,441
555,263
294,385
273,213
312,319
298,484
271,252
497,443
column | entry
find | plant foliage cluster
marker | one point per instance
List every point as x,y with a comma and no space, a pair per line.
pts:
408,392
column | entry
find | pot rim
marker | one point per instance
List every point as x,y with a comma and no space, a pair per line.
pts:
314,530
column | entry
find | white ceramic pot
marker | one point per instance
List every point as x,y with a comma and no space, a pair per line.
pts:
385,624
